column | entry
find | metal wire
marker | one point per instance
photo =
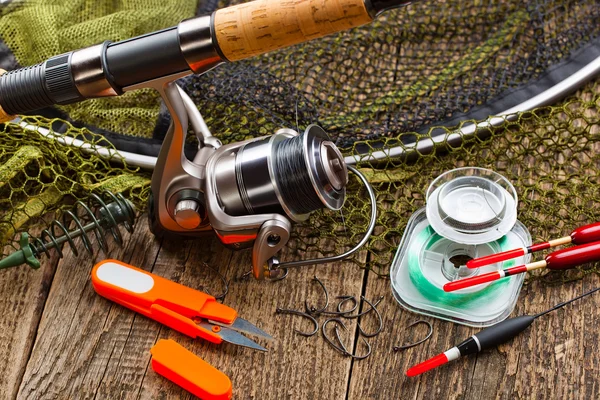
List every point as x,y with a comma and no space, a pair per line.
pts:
102,213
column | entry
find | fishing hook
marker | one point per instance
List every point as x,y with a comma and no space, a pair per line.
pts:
301,314
225,283
342,349
364,312
312,309
243,277
345,299
247,274
373,307
408,346
282,277
339,311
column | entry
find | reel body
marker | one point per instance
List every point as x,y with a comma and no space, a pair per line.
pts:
249,193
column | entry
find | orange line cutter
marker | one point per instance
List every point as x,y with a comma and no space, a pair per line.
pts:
186,310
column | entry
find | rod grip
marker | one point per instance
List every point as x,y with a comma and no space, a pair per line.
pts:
249,29
38,86
4,116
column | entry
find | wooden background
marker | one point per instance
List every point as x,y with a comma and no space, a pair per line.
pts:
59,340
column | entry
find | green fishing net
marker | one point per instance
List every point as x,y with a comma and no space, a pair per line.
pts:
417,73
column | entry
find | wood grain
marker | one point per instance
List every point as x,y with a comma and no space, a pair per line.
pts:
59,340
23,294
293,367
80,333
257,27
89,347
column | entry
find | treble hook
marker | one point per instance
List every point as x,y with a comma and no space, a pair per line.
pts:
408,346
300,313
312,309
373,307
342,349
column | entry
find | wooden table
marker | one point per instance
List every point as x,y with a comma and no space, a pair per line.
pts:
59,339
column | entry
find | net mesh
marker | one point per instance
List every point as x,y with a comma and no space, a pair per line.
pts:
416,73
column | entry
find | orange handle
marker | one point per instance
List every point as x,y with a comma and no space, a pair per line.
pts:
257,27
158,298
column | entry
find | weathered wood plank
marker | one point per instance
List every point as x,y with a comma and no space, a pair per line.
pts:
550,360
123,379
295,366
75,339
23,292
88,347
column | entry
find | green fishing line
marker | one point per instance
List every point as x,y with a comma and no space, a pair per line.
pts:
425,240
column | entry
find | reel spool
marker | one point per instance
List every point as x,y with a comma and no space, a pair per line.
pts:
470,213
249,193
286,173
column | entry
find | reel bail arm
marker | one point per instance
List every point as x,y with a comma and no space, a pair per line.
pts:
274,265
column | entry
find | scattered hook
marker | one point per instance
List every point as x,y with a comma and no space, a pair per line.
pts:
243,277
342,349
225,283
339,309
345,299
373,307
300,313
312,309
365,312
282,277
408,346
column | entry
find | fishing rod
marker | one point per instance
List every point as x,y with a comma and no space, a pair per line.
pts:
487,338
194,46
583,234
558,260
248,193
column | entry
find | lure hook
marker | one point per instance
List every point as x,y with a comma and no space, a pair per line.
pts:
341,348
301,314
408,346
379,329
313,309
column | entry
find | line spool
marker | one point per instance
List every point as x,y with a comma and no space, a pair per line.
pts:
470,213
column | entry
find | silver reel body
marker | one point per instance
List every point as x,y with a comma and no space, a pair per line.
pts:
240,190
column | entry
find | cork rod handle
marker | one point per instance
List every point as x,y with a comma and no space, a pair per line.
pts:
260,26
4,117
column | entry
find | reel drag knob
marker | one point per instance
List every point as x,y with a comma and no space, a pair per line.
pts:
187,214
334,165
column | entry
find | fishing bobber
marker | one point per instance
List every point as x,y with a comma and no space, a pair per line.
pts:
469,213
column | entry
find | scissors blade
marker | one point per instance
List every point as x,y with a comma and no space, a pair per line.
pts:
243,326
231,336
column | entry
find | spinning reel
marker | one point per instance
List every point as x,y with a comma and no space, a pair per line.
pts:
251,192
